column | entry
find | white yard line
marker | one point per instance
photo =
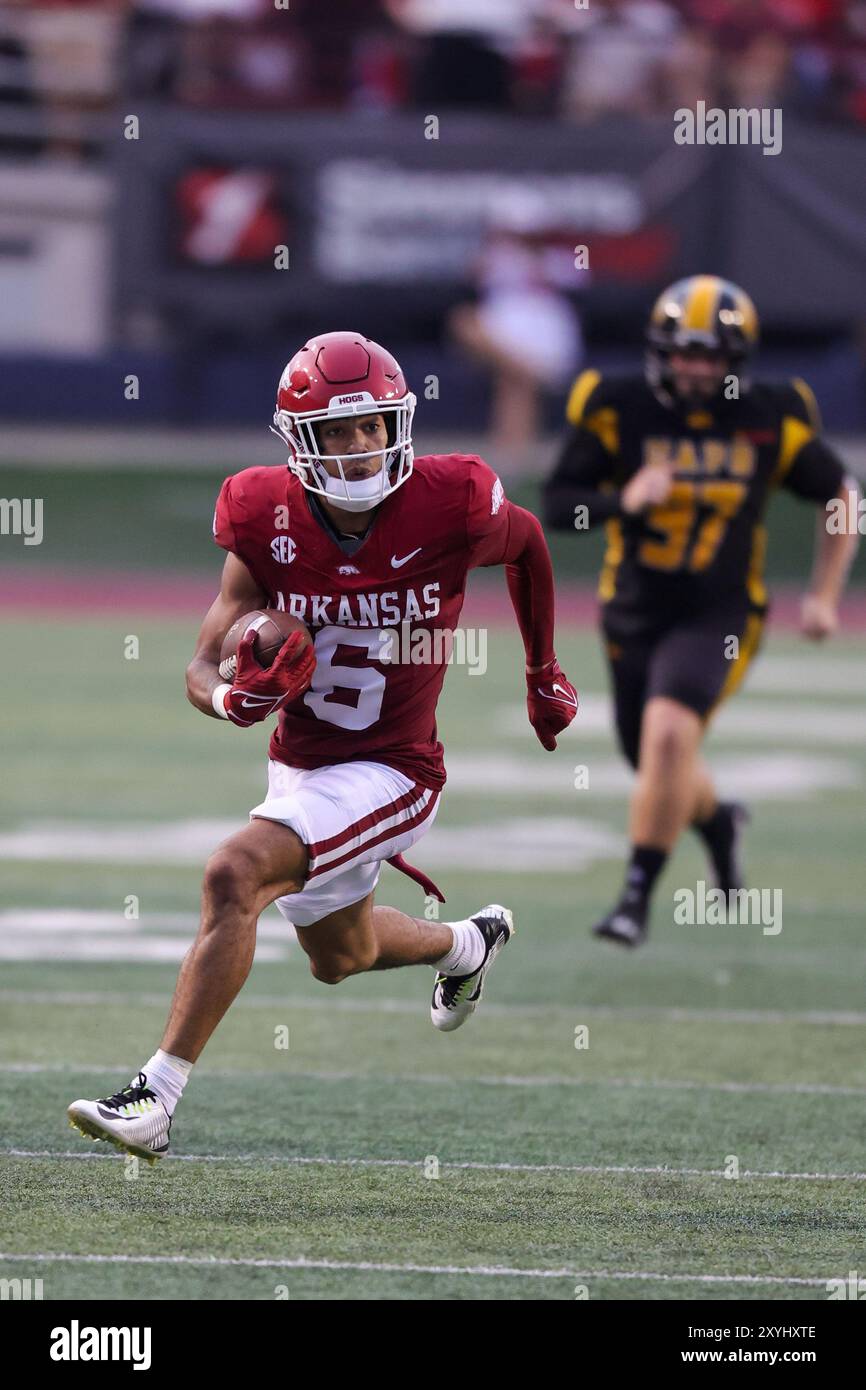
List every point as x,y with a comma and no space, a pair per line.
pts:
770,776
324,1161
830,675
387,1267
565,843
706,946
747,719
96,920
132,949
562,844
820,1018
636,1083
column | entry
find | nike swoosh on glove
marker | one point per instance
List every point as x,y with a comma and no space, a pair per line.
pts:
257,691
551,702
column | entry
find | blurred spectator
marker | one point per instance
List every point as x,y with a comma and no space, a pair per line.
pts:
535,57
17,82
537,67
734,23
250,53
380,70
759,76
332,32
16,69
616,58
523,328
213,53
73,50
849,77
153,49
465,48
737,22
690,71
251,66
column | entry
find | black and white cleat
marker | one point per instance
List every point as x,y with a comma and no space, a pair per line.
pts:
134,1120
455,997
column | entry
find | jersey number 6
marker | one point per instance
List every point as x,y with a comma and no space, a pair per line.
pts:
345,691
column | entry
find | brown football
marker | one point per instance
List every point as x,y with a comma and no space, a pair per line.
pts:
272,627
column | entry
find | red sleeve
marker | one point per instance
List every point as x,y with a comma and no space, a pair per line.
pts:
529,574
487,512
501,533
225,518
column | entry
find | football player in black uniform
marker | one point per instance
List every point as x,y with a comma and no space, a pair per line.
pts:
679,464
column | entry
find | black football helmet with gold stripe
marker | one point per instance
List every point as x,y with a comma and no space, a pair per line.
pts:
702,312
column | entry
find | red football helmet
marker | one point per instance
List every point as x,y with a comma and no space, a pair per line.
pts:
344,374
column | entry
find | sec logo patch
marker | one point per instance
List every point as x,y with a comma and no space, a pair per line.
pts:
283,549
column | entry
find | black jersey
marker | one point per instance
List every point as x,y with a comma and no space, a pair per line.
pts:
705,544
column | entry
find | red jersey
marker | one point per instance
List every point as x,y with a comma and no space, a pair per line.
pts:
367,700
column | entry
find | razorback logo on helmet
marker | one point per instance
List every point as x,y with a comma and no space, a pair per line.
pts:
497,497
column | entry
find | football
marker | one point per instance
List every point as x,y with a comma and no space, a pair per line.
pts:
271,627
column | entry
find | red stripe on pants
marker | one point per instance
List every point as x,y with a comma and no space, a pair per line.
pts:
391,808
393,832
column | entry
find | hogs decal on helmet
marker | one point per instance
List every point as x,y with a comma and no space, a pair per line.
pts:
335,376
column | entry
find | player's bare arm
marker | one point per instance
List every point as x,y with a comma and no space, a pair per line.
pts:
834,556
239,594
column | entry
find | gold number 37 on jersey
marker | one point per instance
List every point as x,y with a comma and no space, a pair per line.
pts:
677,521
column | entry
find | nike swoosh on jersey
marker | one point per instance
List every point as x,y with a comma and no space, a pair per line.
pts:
395,563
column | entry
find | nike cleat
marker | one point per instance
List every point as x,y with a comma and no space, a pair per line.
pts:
455,997
134,1120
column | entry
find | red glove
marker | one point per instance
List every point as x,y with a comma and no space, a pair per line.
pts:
256,691
551,702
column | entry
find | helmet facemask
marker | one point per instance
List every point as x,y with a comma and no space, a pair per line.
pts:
307,460
660,374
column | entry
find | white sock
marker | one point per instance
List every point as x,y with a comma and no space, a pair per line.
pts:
467,950
166,1077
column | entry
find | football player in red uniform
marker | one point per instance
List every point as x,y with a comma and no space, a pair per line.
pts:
358,539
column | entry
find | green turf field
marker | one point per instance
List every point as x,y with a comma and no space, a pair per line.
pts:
171,509
304,1172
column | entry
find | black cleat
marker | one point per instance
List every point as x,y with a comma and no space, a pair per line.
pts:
626,924
723,838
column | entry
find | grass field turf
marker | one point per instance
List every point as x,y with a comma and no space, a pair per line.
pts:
712,1042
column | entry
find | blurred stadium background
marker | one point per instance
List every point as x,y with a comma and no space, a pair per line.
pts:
417,159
